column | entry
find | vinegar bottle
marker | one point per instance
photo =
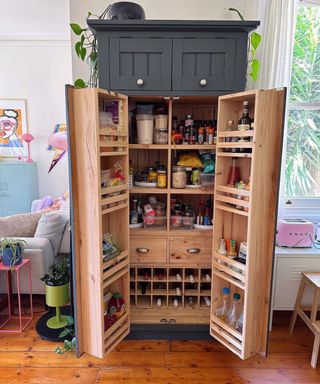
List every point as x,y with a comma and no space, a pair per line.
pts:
234,174
221,312
233,312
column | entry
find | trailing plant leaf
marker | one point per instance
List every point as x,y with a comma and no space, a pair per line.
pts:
76,29
255,65
83,52
68,345
64,333
58,273
255,39
79,83
78,48
254,42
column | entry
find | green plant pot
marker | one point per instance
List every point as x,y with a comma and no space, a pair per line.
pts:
57,296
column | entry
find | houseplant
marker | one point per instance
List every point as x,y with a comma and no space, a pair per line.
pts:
57,282
11,250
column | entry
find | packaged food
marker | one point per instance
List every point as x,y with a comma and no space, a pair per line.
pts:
161,136
190,159
162,178
161,121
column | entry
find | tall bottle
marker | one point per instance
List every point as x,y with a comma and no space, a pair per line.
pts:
221,311
245,121
233,312
134,212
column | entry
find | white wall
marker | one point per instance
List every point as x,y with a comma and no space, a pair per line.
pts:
35,65
164,9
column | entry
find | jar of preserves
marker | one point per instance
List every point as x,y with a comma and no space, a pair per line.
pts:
179,177
162,178
152,175
196,176
161,136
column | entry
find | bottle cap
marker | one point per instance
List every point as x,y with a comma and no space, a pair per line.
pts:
226,291
117,295
236,296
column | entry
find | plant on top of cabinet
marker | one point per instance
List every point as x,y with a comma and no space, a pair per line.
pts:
255,40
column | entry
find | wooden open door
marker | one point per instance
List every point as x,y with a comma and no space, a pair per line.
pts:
247,215
95,146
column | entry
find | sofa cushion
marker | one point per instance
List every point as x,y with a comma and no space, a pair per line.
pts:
65,242
51,226
20,225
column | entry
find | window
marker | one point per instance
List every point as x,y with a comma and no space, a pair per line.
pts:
302,172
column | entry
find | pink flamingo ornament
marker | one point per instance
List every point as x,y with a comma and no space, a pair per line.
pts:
27,137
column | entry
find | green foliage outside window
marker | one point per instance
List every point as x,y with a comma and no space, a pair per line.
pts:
302,174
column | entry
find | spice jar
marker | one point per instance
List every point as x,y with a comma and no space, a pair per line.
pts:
176,219
161,136
162,178
179,177
152,175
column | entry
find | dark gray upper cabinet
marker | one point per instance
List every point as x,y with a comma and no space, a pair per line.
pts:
172,58
205,64
140,64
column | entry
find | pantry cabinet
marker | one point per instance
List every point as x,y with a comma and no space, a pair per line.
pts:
172,57
182,267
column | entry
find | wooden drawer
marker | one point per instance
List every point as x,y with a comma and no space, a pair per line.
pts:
148,249
195,250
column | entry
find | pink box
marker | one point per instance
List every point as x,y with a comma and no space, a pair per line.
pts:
295,233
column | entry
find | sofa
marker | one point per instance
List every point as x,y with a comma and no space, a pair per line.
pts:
47,234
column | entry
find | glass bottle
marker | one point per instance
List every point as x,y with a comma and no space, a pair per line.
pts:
233,312
244,123
239,323
221,311
234,174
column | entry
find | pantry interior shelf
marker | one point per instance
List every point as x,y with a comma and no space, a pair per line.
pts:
233,154
248,133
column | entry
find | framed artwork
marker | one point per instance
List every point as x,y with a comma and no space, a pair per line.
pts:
13,124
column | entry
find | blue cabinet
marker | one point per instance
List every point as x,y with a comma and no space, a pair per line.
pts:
18,187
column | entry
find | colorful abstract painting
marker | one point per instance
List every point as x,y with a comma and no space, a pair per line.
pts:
13,123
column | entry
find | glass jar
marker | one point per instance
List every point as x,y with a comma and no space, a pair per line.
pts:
189,175
176,219
161,136
187,219
179,177
162,178
196,176
152,175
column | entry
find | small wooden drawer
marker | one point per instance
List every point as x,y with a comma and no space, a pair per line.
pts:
148,249
195,250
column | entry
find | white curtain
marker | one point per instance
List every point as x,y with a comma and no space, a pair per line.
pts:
278,19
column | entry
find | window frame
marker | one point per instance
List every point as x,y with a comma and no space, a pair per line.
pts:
306,207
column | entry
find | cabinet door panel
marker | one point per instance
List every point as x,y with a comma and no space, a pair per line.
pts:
146,59
204,64
288,277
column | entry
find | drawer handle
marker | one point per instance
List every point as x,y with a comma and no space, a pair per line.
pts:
142,250
193,250
203,82
140,82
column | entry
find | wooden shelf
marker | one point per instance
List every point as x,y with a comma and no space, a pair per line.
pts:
231,262
249,133
227,327
239,144
228,208
148,146
148,190
193,146
112,132
115,153
233,191
191,191
227,277
232,200
231,154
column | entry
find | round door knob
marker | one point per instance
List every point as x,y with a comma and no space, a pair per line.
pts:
203,82
140,81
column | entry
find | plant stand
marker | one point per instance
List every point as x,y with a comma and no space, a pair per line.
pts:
9,324
58,321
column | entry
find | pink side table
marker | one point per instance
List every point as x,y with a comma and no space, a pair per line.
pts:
7,326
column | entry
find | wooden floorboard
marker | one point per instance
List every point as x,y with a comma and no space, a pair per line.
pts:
25,358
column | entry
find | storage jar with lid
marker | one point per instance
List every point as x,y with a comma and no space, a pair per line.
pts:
152,175
179,177
162,178
145,129
161,121
161,136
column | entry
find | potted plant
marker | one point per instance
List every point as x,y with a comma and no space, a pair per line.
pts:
11,250
57,282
